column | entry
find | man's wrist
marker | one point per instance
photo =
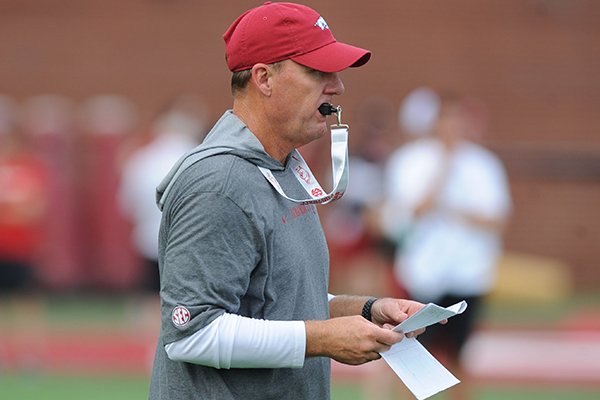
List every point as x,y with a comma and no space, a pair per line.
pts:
366,310
315,338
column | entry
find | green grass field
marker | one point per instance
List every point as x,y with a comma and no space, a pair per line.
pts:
29,387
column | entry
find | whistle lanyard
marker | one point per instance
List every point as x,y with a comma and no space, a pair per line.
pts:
339,165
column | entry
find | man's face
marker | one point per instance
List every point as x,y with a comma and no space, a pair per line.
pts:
451,126
298,91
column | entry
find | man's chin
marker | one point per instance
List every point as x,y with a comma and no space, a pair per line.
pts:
324,130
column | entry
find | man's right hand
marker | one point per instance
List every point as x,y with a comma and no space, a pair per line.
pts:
349,340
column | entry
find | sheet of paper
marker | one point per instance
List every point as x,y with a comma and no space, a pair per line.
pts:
422,374
429,315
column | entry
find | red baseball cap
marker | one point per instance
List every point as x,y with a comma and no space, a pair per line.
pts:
280,31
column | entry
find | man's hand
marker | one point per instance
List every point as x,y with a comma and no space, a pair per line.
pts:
388,312
349,340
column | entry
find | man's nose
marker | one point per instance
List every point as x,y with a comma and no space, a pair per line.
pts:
335,86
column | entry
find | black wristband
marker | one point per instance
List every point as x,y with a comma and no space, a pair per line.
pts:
366,311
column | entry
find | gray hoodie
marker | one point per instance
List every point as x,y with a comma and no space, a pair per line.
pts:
230,243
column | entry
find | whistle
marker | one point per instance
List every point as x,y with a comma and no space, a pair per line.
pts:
327,109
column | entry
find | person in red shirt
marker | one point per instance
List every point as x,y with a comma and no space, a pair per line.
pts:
22,206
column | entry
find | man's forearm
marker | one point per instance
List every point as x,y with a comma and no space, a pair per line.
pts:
494,224
233,341
344,305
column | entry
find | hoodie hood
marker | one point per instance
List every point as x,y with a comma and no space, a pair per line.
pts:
229,136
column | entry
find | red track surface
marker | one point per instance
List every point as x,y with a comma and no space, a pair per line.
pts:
570,354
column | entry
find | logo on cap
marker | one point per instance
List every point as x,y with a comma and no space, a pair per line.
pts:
180,316
321,23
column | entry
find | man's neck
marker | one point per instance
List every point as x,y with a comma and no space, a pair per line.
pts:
260,127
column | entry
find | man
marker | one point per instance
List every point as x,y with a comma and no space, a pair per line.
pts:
449,200
23,205
179,127
244,270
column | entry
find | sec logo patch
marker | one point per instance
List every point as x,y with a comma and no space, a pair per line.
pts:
180,316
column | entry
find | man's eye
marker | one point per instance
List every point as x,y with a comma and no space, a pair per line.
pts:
317,74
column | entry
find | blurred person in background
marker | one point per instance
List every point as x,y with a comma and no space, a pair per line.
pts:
448,199
243,268
23,205
359,261
23,209
417,117
361,258
106,122
179,127
49,121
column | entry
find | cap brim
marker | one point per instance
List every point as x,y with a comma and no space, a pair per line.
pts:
334,57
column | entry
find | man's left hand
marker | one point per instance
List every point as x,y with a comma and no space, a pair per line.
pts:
388,312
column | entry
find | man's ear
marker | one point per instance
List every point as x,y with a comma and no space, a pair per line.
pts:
262,75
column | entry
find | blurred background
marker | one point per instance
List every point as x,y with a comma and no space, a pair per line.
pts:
99,98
